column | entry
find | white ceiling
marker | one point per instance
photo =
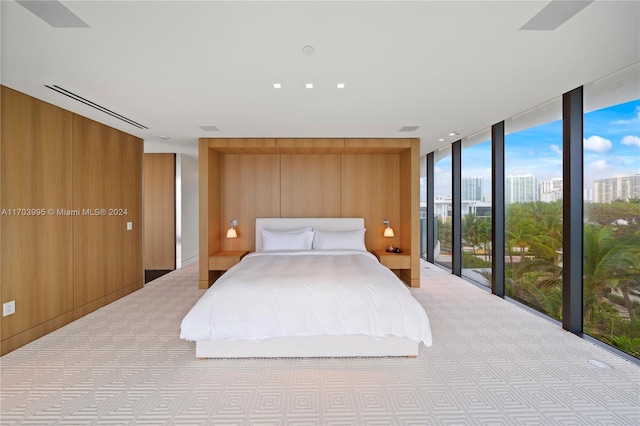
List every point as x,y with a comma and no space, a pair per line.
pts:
442,65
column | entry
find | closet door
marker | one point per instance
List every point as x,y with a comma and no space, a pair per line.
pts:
107,171
159,212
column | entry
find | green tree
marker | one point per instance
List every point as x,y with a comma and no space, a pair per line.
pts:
519,229
609,262
471,231
484,236
623,217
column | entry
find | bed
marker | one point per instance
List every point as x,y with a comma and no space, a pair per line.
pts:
311,289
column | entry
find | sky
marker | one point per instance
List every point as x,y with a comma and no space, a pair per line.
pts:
611,148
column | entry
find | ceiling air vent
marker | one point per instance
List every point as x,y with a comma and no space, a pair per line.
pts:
409,128
209,128
95,105
555,14
53,13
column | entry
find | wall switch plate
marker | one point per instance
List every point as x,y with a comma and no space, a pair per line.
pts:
129,226
9,308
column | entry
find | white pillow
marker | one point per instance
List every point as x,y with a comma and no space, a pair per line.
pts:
274,240
339,240
306,228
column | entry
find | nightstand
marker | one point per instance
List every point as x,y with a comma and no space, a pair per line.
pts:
223,260
393,261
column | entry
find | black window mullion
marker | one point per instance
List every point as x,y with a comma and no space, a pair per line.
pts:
430,208
456,208
572,211
497,209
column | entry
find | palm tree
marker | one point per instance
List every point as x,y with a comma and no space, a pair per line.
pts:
484,235
470,231
521,236
609,263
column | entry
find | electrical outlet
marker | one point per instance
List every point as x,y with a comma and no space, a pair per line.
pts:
9,308
129,226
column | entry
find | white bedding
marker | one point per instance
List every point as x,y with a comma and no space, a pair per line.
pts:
307,293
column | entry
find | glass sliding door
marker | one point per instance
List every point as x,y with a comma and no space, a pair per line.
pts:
476,207
533,208
611,152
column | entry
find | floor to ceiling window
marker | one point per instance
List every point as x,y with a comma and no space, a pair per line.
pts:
533,208
611,150
442,207
423,207
476,207
533,194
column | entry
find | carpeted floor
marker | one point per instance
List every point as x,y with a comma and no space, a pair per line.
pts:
491,363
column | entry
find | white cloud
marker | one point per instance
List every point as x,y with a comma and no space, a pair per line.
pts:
556,149
598,165
631,140
633,120
597,144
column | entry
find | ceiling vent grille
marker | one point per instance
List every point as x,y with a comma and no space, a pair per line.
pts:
409,128
95,105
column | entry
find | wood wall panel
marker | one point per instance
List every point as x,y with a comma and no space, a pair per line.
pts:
36,252
310,185
107,175
377,145
369,178
309,146
240,145
47,261
370,185
251,190
160,211
410,209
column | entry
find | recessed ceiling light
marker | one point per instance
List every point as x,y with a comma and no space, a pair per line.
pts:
340,85
454,133
277,85
163,137
308,50
309,85
440,140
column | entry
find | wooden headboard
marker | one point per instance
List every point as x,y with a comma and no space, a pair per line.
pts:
317,223
246,179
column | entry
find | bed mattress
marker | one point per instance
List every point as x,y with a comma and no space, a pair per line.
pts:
307,293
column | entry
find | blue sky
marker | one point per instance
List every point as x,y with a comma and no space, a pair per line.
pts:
611,148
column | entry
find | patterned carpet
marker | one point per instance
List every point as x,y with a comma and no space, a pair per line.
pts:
491,363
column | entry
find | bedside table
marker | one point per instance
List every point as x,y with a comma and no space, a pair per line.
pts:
223,260
393,261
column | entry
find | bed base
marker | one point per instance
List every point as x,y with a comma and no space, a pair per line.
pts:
308,347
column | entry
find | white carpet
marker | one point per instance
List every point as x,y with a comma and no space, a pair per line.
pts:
491,363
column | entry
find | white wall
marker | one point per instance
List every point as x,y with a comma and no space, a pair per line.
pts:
187,221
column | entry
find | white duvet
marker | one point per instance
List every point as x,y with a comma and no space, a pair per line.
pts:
307,293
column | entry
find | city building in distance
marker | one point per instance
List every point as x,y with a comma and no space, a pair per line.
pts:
520,189
624,188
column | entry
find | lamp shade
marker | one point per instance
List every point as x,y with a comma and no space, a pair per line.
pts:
388,232
231,233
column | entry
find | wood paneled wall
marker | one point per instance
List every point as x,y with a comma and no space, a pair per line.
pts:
311,185
248,178
72,259
36,174
160,211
